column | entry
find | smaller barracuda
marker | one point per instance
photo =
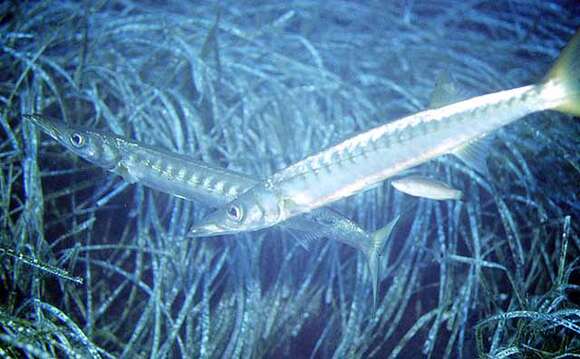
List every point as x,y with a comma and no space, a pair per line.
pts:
364,160
214,186
424,187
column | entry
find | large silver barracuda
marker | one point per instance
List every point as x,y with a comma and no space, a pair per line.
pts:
197,181
362,161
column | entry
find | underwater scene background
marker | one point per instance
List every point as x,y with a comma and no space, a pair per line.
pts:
91,266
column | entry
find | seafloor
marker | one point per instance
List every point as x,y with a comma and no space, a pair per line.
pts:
254,86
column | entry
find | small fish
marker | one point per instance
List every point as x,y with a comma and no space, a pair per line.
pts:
214,186
419,186
370,157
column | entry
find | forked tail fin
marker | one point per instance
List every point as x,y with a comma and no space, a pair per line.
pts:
566,72
374,254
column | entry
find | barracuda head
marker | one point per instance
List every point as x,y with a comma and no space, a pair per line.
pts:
90,145
255,209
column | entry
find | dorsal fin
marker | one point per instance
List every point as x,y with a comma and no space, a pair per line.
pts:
445,92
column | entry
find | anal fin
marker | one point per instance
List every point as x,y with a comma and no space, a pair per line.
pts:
474,154
306,238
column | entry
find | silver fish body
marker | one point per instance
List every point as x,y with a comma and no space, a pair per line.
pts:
370,157
153,167
178,175
384,151
424,187
214,186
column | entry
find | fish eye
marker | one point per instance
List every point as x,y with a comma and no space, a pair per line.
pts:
235,212
77,140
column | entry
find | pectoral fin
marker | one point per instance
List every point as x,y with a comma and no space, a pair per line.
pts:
126,173
288,205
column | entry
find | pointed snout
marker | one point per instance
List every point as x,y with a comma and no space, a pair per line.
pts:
213,225
206,230
47,125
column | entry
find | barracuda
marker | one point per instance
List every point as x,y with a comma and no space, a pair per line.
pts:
384,151
214,186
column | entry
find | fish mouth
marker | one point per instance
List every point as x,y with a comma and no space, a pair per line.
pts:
47,125
208,229
214,224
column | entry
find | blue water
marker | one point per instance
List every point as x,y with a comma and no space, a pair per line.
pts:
255,86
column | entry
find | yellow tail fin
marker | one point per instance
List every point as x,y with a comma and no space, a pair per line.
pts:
567,71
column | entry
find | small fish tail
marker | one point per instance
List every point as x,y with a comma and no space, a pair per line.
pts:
566,71
375,252
373,262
